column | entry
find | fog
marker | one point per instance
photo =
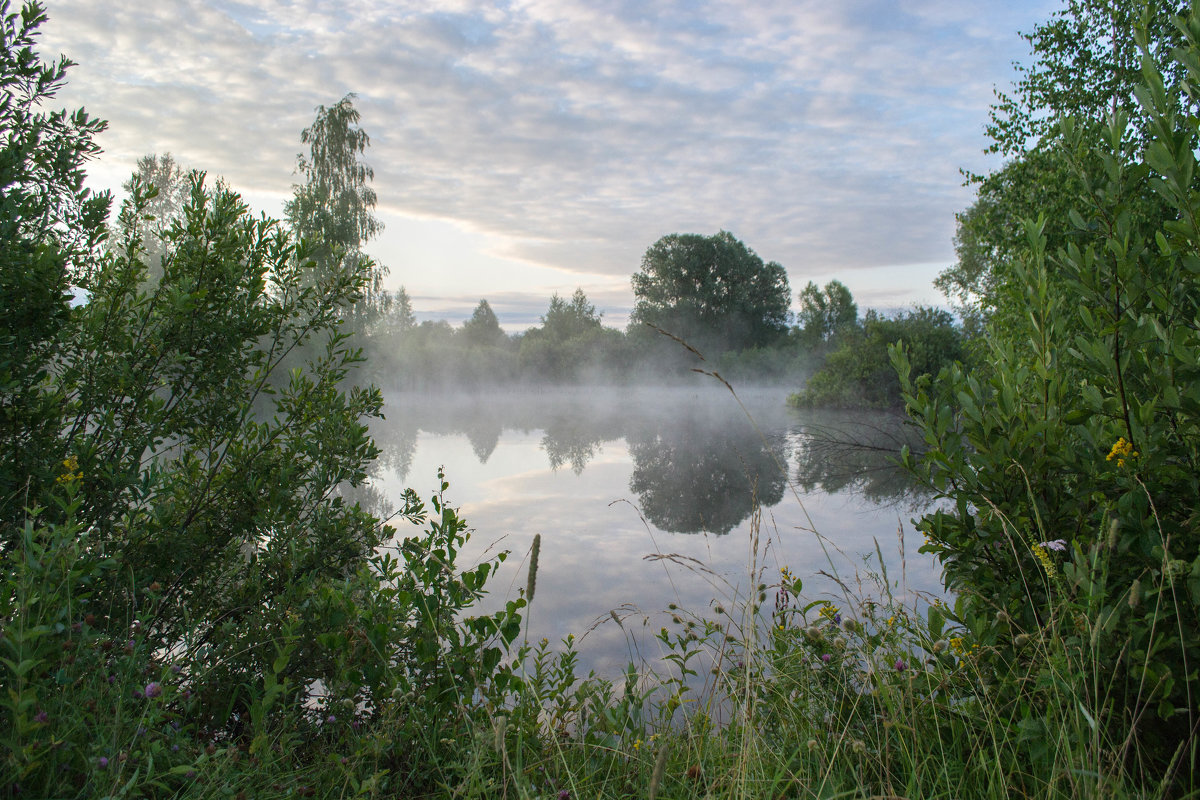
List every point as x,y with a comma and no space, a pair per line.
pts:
651,496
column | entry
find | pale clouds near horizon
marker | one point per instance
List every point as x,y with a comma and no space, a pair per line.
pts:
534,145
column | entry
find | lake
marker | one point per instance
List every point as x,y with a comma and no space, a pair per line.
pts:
646,498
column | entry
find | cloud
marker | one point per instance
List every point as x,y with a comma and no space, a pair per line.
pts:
825,135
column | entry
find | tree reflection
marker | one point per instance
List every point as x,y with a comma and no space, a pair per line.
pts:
575,439
705,475
857,453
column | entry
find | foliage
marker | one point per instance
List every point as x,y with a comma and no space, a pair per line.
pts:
50,228
483,329
1083,439
712,291
175,528
334,208
1086,65
825,314
858,372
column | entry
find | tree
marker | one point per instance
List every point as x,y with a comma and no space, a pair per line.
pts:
483,329
50,232
712,291
823,314
169,183
858,372
334,207
563,321
569,340
398,316
1069,468
1086,63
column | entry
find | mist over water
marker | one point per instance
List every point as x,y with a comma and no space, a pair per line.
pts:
647,497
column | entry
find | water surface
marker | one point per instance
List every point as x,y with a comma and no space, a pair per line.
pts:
648,498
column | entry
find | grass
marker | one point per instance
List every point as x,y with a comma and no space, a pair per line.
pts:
763,694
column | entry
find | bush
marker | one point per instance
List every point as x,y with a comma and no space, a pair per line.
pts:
858,372
1071,467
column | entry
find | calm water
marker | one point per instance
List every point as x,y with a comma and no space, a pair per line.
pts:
646,498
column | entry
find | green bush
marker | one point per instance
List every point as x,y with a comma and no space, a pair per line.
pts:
1071,467
174,521
858,373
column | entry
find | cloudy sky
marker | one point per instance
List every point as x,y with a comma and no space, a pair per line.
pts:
532,146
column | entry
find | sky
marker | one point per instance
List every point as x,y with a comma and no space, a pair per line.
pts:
529,147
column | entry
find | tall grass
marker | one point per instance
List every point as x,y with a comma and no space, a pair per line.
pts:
866,691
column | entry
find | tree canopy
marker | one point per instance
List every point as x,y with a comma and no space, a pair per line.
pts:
333,209
483,329
824,313
712,291
1087,61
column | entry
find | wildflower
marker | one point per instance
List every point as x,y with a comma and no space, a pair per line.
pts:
71,471
1121,451
564,795
102,762
858,746
152,690
41,716
826,658
900,665
637,744
331,719
1044,558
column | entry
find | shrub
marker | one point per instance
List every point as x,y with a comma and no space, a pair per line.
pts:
1071,467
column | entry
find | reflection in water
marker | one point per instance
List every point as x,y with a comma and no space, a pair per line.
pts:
699,465
686,460
483,432
700,475
837,452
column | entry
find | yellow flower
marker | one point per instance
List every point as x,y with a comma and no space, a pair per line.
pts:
1044,558
71,473
1121,451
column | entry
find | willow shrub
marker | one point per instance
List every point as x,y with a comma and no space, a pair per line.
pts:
1071,467
178,441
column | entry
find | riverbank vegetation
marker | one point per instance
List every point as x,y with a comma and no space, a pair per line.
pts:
192,606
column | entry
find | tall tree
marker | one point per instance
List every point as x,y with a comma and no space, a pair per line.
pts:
564,320
483,329
334,207
713,291
168,180
1086,62
824,313
398,316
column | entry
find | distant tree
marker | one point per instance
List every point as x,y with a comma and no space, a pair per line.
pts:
483,329
858,372
168,178
825,313
168,181
398,316
334,207
564,320
712,291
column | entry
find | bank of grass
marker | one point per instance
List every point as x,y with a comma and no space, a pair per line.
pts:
762,695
